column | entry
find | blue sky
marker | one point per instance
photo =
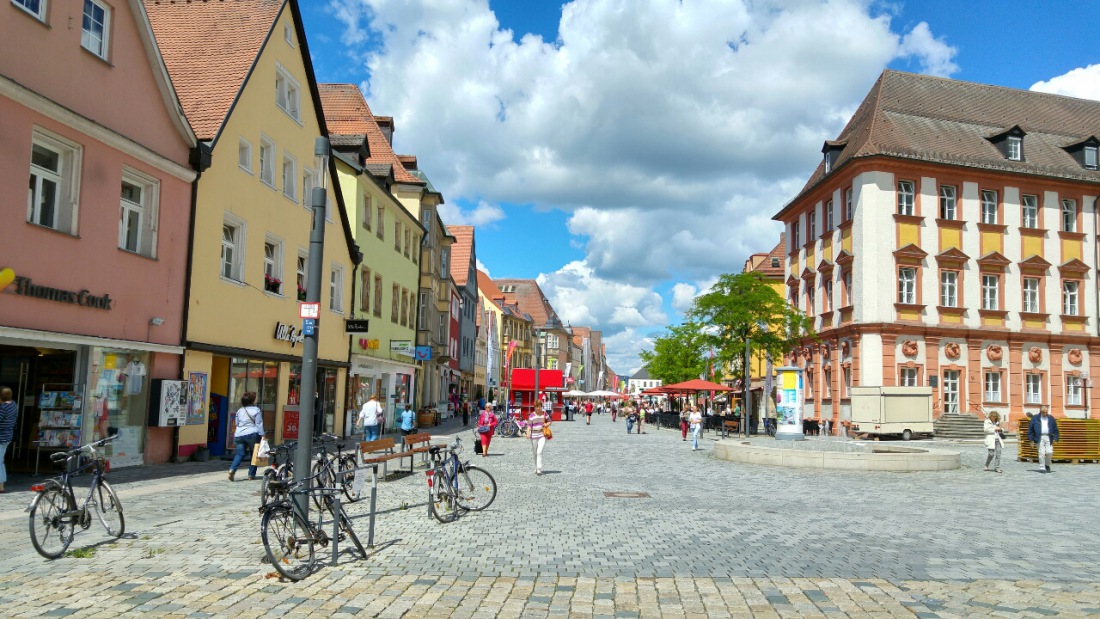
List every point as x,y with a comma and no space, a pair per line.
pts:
623,154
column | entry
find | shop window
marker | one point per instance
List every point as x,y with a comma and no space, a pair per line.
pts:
137,225
96,28
252,376
54,182
119,402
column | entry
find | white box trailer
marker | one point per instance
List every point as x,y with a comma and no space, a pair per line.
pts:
892,411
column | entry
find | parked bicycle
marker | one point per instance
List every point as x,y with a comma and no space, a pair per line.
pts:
280,469
511,425
334,468
54,515
290,540
454,485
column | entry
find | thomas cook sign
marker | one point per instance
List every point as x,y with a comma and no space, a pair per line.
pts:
24,286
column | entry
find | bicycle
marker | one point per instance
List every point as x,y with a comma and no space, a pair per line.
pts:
54,515
454,485
281,469
512,426
334,468
289,539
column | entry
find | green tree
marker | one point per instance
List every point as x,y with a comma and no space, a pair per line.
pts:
745,306
677,355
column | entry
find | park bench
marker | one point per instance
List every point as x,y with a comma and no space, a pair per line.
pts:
416,444
380,451
730,426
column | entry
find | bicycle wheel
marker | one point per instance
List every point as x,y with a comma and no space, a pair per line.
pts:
345,526
508,429
266,493
288,541
348,465
109,510
51,534
476,489
442,499
322,470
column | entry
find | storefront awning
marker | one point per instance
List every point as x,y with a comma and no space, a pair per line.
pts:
42,337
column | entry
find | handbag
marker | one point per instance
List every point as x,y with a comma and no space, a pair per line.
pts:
547,433
484,429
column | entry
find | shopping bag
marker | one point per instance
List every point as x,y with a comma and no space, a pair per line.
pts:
256,459
265,448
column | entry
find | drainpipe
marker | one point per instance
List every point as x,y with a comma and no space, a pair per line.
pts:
199,158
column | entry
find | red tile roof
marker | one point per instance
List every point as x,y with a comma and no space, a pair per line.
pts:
762,263
462,251
347,113
530,298
209,49
487,287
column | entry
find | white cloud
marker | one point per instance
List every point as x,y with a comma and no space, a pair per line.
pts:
480,266
481,215
1083,83
580,297
683,295
935,56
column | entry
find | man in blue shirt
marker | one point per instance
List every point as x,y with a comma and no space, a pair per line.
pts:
1043,432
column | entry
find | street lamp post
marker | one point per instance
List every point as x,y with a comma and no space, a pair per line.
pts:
309,345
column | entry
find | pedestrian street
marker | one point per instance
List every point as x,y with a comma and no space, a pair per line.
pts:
618,526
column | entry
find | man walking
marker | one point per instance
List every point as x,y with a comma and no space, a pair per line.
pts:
369,417
1043,432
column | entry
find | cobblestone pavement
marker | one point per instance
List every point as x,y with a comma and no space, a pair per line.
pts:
712,538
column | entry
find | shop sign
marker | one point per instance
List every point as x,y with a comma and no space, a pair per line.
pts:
24,286
356,326
290,425
288,333
370,344
402,347
423,353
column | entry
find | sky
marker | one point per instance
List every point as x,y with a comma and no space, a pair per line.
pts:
625,153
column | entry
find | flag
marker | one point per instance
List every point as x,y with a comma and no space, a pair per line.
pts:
508,355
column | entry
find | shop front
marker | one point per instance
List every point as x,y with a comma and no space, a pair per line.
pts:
392,381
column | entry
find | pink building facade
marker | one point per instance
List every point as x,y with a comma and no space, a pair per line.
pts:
93,263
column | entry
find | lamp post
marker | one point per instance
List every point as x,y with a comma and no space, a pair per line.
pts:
309,345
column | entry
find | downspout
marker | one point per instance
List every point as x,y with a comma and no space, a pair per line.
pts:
199,158
1095,293
416,327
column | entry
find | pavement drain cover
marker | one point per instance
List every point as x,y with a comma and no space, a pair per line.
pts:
626,495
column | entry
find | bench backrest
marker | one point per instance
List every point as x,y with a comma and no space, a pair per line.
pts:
370,447
415,439
731,424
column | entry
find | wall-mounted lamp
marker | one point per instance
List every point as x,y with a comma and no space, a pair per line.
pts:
156,321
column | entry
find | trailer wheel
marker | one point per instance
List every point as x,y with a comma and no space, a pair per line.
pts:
906,435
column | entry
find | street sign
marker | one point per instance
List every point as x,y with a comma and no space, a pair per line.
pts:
309,326
356,326
309,310
423,353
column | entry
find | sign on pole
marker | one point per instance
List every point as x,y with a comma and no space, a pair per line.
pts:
309,310
356,326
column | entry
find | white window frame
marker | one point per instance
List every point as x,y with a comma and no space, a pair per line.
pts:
989,206
848,288
380,222
848,204
812,226
948,202
336,289
301,270
273,265
992,386
951,391
288,93
147,211
1029,211
290,177
288,35
1091,155
236,247
906,198
991,292
309,179
907,377
907,285
365,280
268,152
1071,297
1033,388
244,155
66,180
1031,286
949,288
829,216
40,15
422,317
1069,215
367,210
88,39
1073,390
1015,148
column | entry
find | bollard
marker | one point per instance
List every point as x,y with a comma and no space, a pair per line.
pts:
336,513
430,495
373,503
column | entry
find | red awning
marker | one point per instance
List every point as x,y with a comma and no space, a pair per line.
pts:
695,385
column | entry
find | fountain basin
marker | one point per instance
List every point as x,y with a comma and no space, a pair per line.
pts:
841,456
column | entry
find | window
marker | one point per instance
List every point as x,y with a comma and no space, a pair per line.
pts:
1073,390
307,187
232,248
848,204
422,317
827,302
949,288
1031,295
989,206
908,377
273,265
1030,214
992,386
364,289
1015,148
811,305
795,228
288,35
405,307
366,207
51,198
416,250
34,7
408,235
1033,388
847,382
1069,298
302,270
907,286
828,216
137,225
1090,157
991,285
951,391
947,202
827,387
287,93
397,236
336,289
378,295
905,198
811,231
381,222
396,305
267,161
809,384
1069,216
848,289
775,263
96,28
244,155
444,262
290,177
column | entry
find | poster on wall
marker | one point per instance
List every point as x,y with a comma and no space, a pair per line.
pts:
125,448
196,398
290,425
788,405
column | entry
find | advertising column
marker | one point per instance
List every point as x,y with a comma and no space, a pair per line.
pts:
788,405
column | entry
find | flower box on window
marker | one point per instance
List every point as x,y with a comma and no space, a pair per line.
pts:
272,284
301,293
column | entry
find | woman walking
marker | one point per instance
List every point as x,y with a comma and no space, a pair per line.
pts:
684,424
408,421
9,412
994,440
486,427
250,429
696,422
535,424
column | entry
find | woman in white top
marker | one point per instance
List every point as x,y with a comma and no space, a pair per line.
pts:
993,441
536,421
250,429
695,420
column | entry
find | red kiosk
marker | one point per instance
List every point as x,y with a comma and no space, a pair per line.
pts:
521,391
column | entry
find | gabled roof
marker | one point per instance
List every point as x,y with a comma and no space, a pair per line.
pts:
531,300
209,71
642,374
937,120
487,287
347,113
462,253
763,262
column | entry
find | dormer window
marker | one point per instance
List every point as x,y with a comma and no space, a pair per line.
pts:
1090,157
775,263
1015,148
831,150
1010,142
1084,152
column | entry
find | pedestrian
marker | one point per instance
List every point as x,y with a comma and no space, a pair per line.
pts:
1043,433
641,418
486,427
250,429
696,422
408,420
9,413
614,411
369,417
684,413
536,422
588,413
465,413
631,418
994,440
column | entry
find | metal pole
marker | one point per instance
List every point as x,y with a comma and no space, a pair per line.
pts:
746,415
309,346
538,360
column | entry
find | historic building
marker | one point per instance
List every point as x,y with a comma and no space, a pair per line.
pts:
463,272
948,238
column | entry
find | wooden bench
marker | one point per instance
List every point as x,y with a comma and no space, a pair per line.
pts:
416,444
730,426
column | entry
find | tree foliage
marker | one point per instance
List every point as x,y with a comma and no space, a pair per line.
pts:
677,355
